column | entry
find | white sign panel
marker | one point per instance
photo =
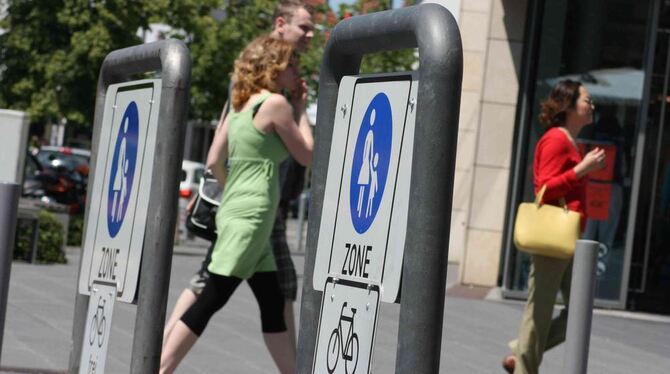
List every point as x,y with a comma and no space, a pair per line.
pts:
14,127
120,193
346,328
98,329
364,217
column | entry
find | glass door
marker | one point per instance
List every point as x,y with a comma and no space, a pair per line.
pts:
649,285
601,44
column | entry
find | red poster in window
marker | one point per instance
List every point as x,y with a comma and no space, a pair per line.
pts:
598,197
606,174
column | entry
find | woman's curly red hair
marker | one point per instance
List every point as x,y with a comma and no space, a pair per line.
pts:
258,66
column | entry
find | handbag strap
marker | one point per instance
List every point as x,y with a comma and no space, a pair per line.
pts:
540,194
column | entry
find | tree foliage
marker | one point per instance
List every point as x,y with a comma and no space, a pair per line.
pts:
51,52
388,61
216,32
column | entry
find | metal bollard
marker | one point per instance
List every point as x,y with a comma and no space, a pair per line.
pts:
301,223
301,214
9,202
580,311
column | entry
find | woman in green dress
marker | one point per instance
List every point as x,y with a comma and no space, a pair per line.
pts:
252,142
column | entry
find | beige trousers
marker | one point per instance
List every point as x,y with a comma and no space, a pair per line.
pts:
538,331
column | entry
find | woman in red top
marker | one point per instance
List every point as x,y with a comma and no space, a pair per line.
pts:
559,166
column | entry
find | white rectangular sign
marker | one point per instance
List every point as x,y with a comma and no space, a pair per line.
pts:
98,329
366,198
347,328
120,194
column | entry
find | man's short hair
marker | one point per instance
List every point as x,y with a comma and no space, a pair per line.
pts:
286,9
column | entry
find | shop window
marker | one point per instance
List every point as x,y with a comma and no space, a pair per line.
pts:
601,44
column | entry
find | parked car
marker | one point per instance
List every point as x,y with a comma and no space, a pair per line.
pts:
54,182
78,159
191,172
33,186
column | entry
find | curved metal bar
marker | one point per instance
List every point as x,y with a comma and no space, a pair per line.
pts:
171,57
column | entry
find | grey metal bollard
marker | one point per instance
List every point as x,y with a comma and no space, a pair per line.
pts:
172,59
9,203
301,215
432,29
580,311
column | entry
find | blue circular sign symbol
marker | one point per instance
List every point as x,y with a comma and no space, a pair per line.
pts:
123,169
371,163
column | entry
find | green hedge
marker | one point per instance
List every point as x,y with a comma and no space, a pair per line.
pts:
75,230
49,241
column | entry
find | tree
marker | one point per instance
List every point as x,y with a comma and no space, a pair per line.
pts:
388,61
216,32
52,50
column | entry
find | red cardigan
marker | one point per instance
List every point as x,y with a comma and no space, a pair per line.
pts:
555,158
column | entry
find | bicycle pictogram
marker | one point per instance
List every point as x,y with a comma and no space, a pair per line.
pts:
338,347
98,324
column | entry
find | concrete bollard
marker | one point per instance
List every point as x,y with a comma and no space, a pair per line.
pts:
9,203
580,312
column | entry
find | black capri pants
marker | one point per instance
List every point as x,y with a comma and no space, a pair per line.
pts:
218,290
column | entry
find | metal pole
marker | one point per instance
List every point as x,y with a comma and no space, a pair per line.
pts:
424,273
311,299
172,59
35,239
9,202
580,310
432,29
157,255
301,214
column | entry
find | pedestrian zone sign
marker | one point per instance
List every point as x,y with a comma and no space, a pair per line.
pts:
347,326
116,220
366,198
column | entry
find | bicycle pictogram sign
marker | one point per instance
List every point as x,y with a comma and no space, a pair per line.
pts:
338,347
98,324
98,329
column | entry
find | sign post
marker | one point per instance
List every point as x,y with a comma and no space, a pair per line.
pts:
9,203
382,186
137,149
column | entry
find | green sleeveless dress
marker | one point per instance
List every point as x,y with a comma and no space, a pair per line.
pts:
249,203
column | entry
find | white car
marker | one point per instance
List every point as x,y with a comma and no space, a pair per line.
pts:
191,172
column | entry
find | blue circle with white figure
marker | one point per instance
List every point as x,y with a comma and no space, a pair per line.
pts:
371,163
123,169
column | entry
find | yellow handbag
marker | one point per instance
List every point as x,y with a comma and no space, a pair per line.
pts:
546,230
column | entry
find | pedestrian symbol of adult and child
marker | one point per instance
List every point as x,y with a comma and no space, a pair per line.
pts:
120,184
367,177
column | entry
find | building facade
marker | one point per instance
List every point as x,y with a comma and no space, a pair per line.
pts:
514,51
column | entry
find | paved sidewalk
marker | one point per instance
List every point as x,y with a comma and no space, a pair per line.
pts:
41,301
